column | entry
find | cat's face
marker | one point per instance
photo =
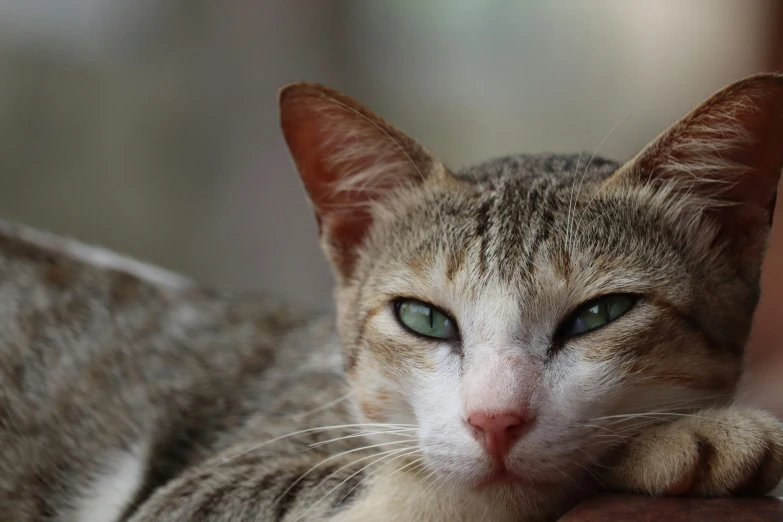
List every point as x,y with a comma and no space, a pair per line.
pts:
517,313
510,265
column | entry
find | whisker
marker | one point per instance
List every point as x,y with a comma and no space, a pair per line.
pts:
587,167
340,484
414,462
653,413
326,406
398,470
441,478
588,470
377,456
367,434
573,184
228,459
351,463
611,432
353,450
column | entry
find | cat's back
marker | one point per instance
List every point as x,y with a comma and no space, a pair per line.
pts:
104,360
75,309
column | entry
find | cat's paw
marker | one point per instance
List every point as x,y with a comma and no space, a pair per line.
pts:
717,452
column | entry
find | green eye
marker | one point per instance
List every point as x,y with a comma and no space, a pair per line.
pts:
596,313
424,319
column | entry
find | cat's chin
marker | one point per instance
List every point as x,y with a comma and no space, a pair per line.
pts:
511,492
505,479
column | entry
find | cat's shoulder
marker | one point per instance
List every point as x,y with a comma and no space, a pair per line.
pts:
22,245
40,270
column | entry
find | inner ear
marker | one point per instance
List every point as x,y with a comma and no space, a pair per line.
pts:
349,159
726,155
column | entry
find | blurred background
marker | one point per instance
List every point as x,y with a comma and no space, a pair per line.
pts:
150,126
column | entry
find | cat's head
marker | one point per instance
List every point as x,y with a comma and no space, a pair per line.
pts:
517,311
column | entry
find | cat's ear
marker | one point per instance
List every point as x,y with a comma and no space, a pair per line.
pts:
727,155
348,158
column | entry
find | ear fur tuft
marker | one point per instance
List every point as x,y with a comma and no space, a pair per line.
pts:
348,158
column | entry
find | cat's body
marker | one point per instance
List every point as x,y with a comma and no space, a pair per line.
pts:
130,393
135,375
108,370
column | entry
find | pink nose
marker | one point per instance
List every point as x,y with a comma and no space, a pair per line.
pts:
497,433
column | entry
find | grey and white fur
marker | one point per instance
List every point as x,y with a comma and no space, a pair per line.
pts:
128,393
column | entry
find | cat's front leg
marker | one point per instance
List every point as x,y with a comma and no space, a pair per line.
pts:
714,452
252,486
306,487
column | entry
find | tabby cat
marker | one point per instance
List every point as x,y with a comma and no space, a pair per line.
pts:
509,337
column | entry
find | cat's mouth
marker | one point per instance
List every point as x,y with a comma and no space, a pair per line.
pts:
502,477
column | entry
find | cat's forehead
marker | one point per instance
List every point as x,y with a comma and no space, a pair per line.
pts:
554,170
516,229
501,217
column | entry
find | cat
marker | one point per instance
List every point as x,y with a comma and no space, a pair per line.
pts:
509,337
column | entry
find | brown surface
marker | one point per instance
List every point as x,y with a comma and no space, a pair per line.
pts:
617,508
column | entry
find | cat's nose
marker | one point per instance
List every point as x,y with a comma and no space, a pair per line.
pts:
498,433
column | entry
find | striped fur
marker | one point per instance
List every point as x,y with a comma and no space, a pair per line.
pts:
132,394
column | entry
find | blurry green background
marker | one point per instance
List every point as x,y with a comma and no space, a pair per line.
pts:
150,126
